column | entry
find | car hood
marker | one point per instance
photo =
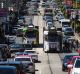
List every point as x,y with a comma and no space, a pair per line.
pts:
76,70
32,54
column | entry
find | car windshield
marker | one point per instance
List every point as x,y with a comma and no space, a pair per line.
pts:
65,23
52,37
22,59
49,20
20,46
29,52
16,46
68,29
31,34
67,58
77,64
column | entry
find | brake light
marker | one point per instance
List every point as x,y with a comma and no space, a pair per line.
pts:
22,72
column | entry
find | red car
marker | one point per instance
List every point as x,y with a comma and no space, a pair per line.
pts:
71,62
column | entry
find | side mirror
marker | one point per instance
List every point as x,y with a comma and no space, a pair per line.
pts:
12,57
70,66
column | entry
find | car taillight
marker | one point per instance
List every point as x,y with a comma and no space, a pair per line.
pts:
22,72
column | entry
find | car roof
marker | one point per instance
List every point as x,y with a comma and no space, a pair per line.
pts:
64,20
23,56
10,62
76,57
72,54
7,67
30,50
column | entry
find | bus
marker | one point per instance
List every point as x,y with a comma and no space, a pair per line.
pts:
32,35
52,40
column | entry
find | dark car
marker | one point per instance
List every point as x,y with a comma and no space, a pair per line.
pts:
5,51
19,47
66,61
7,70
17,64
68,31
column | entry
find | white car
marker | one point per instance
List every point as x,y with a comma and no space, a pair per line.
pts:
75,68
26,60
33,54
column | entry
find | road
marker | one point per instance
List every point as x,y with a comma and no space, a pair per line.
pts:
48,63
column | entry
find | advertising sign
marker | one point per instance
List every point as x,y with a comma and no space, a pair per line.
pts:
3,12
69,2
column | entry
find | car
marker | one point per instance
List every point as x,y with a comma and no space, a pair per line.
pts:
75,68
63,27
8,70
5,51
27,62
48,17
66,60
19,47
49,25
32,53
69,31
73,59
17,64
19,53
11,38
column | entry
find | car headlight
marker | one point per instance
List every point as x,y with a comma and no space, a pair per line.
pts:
76,73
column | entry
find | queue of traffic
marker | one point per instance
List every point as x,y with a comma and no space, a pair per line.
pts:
20,58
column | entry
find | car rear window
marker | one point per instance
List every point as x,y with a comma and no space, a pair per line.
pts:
22,59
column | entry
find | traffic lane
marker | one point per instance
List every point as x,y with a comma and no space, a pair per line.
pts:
36,20
55,63
42,67
50,63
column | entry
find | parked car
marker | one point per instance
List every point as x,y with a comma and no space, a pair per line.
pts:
27,63
8,70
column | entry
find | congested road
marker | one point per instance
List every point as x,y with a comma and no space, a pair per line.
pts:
48,63
44,20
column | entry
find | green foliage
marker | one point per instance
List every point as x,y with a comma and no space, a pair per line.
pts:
78,28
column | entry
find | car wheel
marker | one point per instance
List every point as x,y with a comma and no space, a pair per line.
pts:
63,69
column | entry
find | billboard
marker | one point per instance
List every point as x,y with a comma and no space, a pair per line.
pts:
3,12
68,2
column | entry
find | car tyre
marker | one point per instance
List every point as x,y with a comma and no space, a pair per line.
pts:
63,69
33,73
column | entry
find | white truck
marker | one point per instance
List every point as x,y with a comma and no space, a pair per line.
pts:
52,41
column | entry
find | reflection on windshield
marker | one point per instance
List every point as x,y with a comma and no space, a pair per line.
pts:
20,46
31,34
65,23
22,59
7,71
52,37
30,51
77,65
